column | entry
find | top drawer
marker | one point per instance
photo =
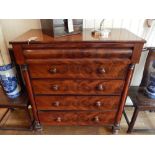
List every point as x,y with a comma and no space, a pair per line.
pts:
78,53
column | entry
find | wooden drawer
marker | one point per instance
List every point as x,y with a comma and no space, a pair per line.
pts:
58,118
67,68
77,118
77,102
78,53
96,118
75,87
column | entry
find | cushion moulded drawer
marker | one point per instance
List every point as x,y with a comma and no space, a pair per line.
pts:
78,53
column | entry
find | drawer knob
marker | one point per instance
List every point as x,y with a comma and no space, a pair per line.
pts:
55,87
101,70
96,119
100,87
57,103
58,119
98,104
53,70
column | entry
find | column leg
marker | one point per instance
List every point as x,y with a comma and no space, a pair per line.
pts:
124,95
25,73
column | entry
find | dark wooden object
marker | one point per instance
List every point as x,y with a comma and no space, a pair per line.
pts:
59,27
137,94
78,80
21,102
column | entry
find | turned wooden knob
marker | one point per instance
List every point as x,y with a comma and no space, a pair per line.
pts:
58,119
96,119
100,87
101,70
53,70
98,104
56,103
55,87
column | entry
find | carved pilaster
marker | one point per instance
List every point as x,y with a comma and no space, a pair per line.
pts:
123,99
24,69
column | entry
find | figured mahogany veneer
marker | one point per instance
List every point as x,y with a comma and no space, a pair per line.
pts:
77,102
82,87
78,53
71,68
78,79
77,118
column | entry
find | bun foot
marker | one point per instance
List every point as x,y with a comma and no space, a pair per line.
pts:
37,126
115,129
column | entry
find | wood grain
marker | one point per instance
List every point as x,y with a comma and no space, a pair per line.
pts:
77,102
78,53
77,118
81,87
78,79
117,35
69,68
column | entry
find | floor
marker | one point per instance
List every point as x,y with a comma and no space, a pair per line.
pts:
145,120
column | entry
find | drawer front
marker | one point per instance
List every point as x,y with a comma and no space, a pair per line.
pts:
58,118
77,102
98,69
96,118
77,118
78,53
81,87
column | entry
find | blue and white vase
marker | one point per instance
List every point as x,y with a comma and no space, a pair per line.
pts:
150,89
9,81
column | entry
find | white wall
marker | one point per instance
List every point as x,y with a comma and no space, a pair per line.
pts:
15,27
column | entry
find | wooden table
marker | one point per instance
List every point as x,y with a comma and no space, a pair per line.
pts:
21,102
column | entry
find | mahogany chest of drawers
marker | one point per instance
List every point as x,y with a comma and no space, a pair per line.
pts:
78,79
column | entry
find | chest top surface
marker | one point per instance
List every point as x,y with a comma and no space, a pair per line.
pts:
116,35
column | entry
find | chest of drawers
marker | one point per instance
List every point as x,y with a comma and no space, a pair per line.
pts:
78,79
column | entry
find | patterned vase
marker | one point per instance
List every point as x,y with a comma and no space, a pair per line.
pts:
9,81
150,89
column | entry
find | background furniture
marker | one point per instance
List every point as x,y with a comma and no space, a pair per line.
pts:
59,27
20,102
140,101
78,79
